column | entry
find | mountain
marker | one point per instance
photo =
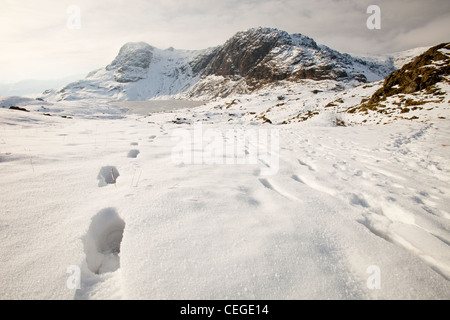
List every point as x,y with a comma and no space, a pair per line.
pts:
419,91
139,72
246,62
34,86
270,55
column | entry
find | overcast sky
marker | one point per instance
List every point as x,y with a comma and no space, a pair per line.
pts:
35,41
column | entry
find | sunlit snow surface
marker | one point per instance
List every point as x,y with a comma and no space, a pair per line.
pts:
101,191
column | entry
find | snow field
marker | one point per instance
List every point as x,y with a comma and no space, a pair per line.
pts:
343,199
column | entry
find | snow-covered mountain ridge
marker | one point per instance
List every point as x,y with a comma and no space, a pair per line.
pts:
246,62
419,90
226,78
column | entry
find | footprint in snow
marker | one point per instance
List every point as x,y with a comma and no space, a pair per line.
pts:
107,175
133,153
103,240
266,183
296,178
305,164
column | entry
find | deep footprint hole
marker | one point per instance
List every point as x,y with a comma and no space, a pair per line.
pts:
103,240
133,153
107,175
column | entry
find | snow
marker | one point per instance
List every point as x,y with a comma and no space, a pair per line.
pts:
101,191
445,51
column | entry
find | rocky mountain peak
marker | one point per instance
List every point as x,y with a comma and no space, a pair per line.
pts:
244,51
262,55
132,62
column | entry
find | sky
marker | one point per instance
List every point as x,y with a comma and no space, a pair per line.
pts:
47,39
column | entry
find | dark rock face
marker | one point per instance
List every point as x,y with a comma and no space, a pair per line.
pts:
132,62
199,64
243,53
250,54
18,108
265,55
422,73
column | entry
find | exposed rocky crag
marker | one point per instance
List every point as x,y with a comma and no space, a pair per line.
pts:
412,92
424,72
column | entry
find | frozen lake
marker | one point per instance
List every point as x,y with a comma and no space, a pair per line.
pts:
152,106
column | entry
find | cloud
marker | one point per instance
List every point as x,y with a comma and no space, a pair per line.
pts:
36,42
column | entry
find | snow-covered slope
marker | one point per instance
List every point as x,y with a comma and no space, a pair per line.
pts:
139,72
356,212
396,59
